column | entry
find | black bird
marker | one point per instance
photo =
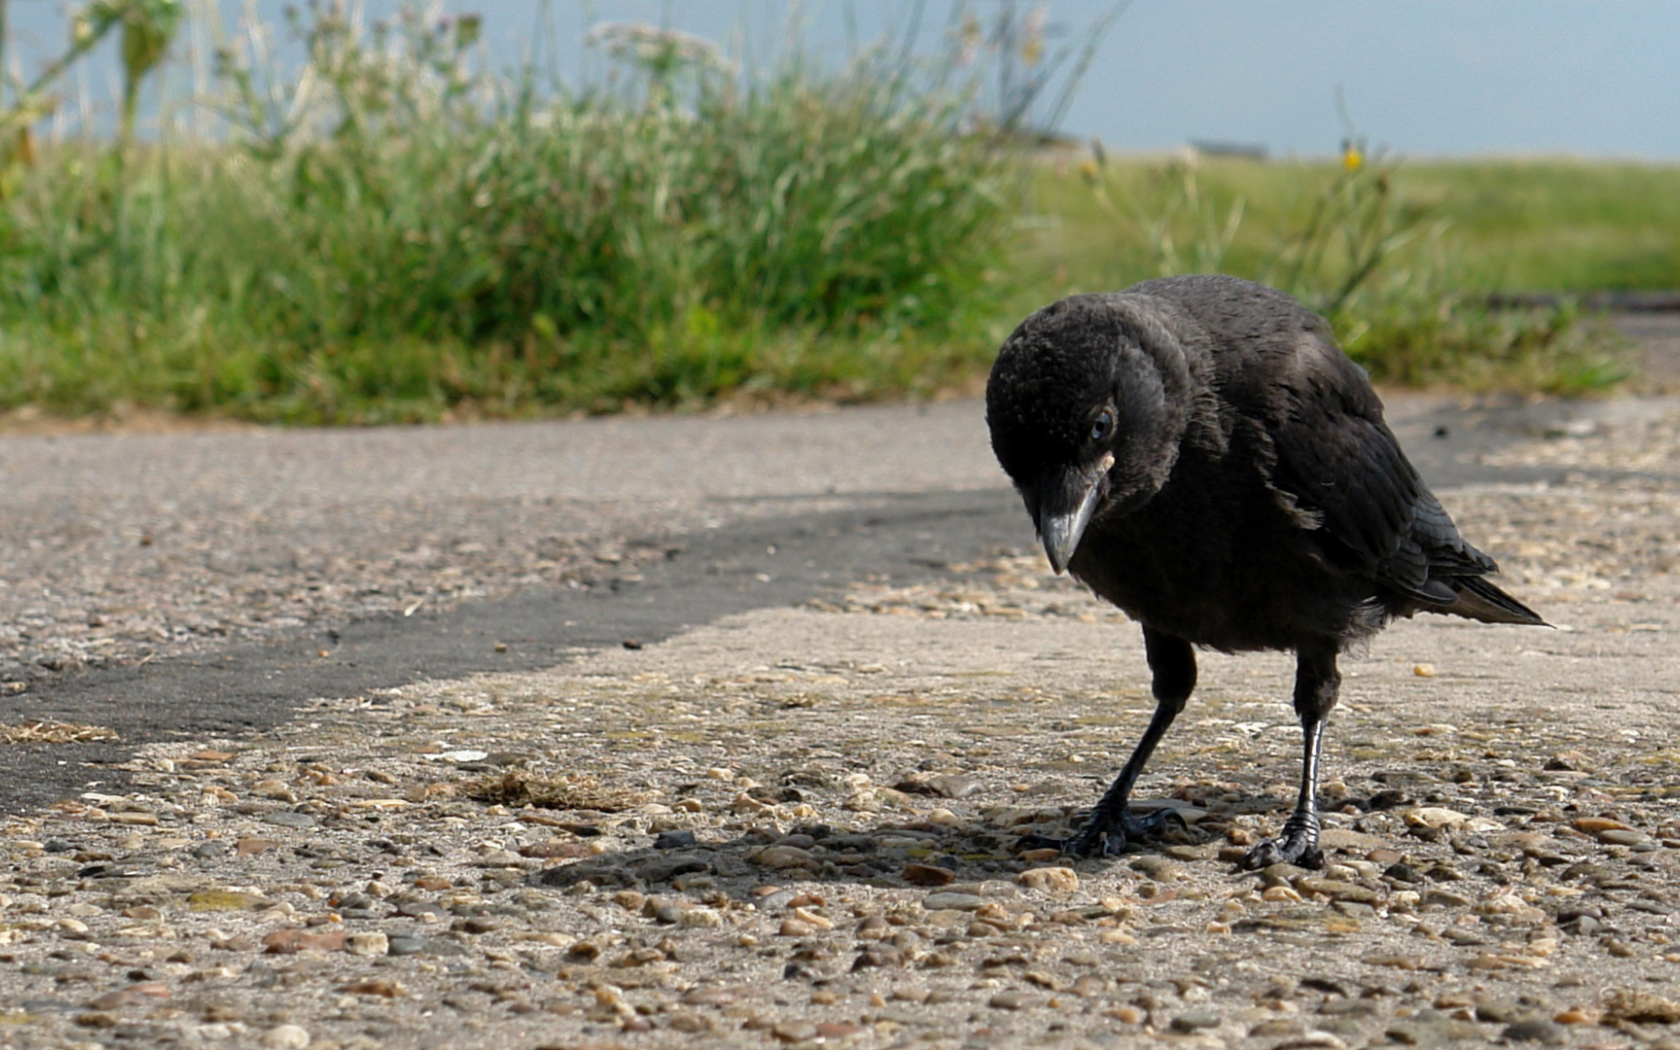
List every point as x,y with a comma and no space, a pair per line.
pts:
1200,452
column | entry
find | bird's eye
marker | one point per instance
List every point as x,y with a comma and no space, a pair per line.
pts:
1103,425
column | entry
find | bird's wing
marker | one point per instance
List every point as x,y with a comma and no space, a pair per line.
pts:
1337,462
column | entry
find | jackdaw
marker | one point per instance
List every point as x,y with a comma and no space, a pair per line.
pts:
1200,452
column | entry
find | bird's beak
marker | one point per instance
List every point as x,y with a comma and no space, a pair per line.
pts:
1069,499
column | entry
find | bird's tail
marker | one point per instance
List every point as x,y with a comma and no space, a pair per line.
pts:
1480,600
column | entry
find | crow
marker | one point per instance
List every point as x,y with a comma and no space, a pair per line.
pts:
1200,452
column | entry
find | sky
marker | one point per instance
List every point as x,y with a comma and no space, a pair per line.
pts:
1421,77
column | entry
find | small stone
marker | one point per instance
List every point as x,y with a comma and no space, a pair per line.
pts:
691,1024
1424,670
700,918
954,785
1622,837
1014,999
1088,985
793,1032
1281,874
287,818
928,875
881,956
1348,1007
1444,898
133,995
286,1037
370,942
1435,817
679,838
251,847
710,997
952,900
1053,880
1539,1031
226,900
287,942
1194,1020
555,849
1499,1011
1399,962
1428,1028
1158,868
1640,1007
378,989
1336,890
784,857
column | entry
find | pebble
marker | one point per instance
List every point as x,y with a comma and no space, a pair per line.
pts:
928,875
1445,898
675,839
287,818
1195,1020
226,900
1052,880
286,1037
1336,890
1639,1007
955,785
780,858
1546,1033
952,900
1158,868
1013,999
369,942
287,942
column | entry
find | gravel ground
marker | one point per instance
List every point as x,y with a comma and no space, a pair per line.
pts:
799,827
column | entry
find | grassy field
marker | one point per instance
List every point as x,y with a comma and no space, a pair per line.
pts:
395,234
1546,224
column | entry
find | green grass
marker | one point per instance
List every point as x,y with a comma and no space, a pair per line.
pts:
454,244
1515,225
431,241
1454,232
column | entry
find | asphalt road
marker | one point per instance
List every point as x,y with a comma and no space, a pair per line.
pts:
721,514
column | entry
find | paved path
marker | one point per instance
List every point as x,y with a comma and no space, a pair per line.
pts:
213,581
722,732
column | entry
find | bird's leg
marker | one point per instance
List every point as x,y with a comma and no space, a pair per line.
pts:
1172,664
1316,684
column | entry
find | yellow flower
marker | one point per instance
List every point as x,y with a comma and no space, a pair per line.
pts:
1352,158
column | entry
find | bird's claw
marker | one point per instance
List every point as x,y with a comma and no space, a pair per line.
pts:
1108,838
1297,845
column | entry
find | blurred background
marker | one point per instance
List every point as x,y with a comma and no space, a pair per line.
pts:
392,211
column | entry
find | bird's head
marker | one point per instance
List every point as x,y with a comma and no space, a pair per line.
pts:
1087,405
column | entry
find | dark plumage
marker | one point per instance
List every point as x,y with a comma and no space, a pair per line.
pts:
1198,451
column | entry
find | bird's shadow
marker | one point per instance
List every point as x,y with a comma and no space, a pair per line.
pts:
914,855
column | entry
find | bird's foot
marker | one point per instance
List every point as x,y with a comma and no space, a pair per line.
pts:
1107,836
1297,845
